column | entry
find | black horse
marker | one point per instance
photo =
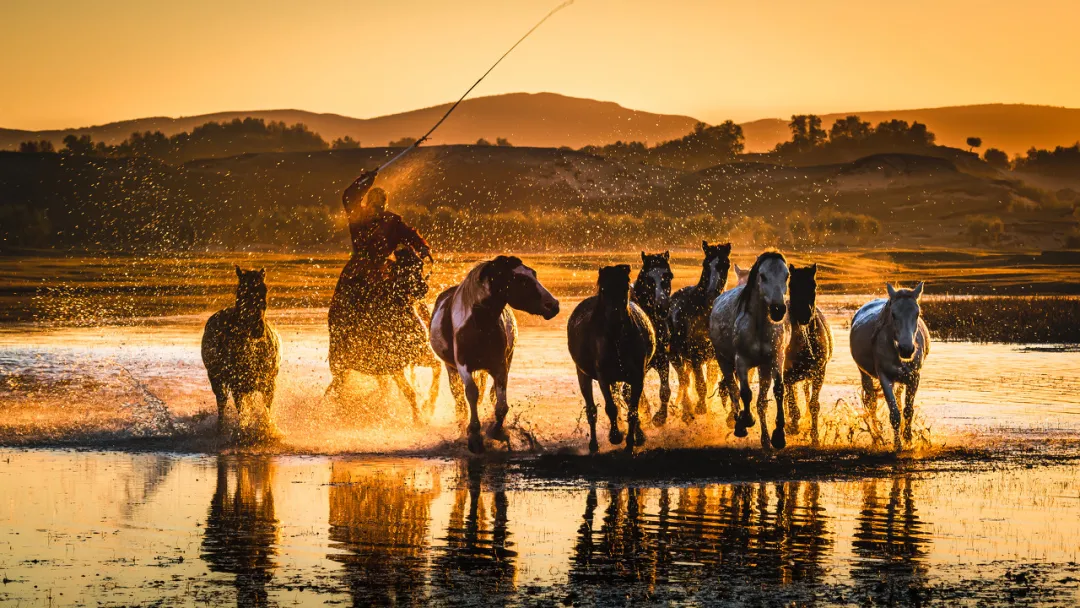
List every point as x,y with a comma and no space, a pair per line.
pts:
808,351
240,349
611,340
691,349
651,291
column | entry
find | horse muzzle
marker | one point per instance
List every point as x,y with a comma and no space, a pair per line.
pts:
550,310
777,312
905,352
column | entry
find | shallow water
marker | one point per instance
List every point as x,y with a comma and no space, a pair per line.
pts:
123,528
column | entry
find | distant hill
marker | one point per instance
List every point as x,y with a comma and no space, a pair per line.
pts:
539,120
1010,127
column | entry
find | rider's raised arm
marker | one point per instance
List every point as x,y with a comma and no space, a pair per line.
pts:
353,196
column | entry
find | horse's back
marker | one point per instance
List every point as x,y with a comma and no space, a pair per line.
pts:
861,337
214,346
579,338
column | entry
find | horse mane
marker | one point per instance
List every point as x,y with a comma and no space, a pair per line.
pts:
472,288
755,270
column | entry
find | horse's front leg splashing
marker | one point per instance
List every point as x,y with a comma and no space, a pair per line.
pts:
745,419
894,409
779,441
909,405
496,430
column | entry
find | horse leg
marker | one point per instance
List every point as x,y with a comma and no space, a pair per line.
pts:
729,391
496,430
472,394
268,396
791,405
869,401
764,379
433,392
664,371
712,375
700,387
813,403
634,434
683,371
745,419
585,383
615,436
457,390
221,394
894,409
779,441
909,405
409,391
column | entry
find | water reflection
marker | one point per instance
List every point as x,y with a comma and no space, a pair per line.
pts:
717,541
379,521
241,531
477,564
890,544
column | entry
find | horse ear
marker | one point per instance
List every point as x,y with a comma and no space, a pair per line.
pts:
791,268
813,268
625,268
262,273
667,255
918,290
704,245
642,256
892,292
726,247
239,273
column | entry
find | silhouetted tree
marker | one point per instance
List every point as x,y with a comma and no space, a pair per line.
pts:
344,143
806,133
483,142
503,142
404,142
37,146
974,142
1062,159
997,159
851,128
82,145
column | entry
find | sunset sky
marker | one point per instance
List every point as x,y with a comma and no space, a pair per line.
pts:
74,63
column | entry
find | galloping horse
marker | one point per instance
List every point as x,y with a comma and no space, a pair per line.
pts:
808,352
386,332
472,330
651,291
240,349
889,342
748,330
611,340
690,306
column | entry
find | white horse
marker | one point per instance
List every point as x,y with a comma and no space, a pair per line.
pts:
748,327
889,343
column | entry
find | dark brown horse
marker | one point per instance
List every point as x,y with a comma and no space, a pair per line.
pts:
691,349
652,292
385,330
611,340
473,330
240,349
808,352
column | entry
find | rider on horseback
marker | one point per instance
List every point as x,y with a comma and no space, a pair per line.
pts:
377,233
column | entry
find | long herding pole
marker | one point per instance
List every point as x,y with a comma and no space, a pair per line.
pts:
462,98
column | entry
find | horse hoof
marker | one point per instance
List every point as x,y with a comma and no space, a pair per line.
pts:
765,445
660,418
701,410
476,443
740,429
615,436
746,419
497,433
593,446
778,440
731,420
629,449
639,436
792,427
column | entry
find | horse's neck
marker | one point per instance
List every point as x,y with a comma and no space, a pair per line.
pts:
884,323
484,304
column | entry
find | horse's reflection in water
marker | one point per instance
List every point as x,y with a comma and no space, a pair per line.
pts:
890,545
379,522
477,566
241,531
707,544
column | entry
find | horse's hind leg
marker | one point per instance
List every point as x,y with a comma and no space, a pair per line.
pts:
634,434
433,392
712,375
813,404
764,379
457,390
496,430
791,405
409,391
909,405
682,369
779,440
221,395
472,394
701,388
615,436
869,402
664,371
585,384
729,391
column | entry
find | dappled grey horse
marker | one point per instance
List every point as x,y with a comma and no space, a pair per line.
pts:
889,342
749,329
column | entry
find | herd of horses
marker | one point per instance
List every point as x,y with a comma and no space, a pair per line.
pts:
768,324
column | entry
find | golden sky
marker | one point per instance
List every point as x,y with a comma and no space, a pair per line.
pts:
76,63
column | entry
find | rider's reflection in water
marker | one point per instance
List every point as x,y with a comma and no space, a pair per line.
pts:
477,566
714,543
379,523
890,545
241,529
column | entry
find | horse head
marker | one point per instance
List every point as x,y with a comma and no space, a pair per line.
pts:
251,301
903,317
803,287
614,286
715,266
654,280
768,282
508,278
